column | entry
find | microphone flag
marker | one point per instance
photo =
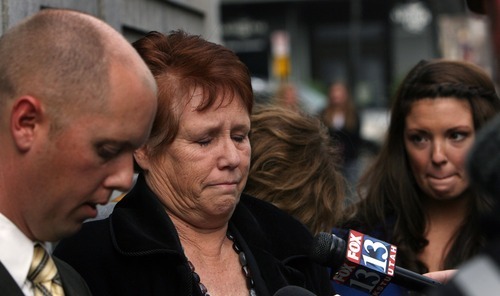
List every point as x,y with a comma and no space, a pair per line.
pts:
369,264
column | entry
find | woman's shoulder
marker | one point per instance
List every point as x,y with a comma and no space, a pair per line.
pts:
261,218
88,250
86,242
270,215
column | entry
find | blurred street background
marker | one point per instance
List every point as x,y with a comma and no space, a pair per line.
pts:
367,44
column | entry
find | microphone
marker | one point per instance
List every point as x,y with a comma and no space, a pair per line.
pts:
483,161
365,263
293,291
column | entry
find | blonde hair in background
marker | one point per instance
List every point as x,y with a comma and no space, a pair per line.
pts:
295,166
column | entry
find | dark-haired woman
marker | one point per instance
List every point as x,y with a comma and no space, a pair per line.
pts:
416,195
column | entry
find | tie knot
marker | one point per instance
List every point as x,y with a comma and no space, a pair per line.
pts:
42,267
43,274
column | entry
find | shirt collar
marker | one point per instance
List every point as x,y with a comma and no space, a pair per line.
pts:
16,250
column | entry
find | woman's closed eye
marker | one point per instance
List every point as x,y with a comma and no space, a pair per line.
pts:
204,142
240,138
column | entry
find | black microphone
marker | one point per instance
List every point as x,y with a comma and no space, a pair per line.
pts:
483,163
365,263
293,291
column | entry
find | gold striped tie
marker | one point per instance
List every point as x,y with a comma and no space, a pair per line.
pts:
43,274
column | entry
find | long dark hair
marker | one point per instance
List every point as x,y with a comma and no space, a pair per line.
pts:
388,188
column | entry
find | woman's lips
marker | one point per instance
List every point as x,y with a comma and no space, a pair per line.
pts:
440,180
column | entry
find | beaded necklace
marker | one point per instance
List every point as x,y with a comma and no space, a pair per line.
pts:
244,269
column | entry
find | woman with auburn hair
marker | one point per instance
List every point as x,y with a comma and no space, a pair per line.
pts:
186,228
295,166
416,195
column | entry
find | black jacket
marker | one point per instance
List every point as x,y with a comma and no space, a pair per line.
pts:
136,251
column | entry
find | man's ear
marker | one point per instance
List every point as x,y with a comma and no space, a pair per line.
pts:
141,158
26,114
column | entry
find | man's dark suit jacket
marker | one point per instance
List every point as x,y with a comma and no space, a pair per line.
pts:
73,283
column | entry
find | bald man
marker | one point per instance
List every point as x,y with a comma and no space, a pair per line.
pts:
75,101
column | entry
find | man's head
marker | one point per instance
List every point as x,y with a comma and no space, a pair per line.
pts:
75,101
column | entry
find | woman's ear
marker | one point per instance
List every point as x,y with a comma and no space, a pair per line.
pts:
25,117
141,158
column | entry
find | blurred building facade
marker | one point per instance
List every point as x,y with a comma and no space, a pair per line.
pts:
133,18
369,44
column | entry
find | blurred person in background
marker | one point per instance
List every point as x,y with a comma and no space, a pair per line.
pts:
287,96
295,166
343,122
185,228
416,195
490,8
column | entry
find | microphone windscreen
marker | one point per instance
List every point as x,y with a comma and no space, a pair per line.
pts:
484,159
293,291
328,250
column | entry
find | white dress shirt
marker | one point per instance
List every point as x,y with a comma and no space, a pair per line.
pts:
16,253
